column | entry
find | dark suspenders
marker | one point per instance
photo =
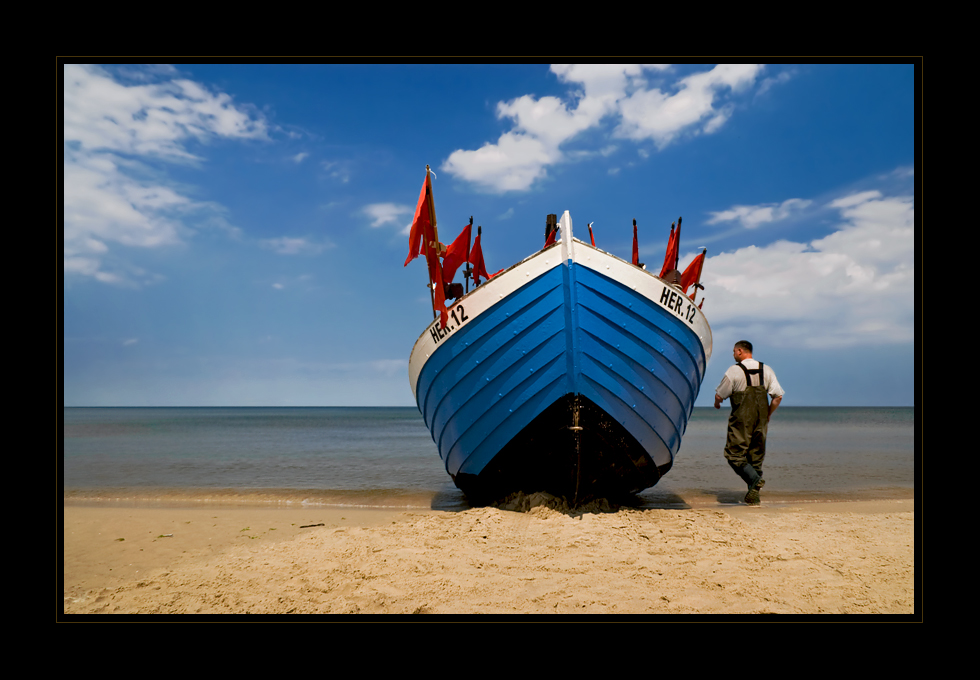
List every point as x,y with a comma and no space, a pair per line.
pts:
748,371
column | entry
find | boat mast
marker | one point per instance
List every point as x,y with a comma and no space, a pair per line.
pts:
468,270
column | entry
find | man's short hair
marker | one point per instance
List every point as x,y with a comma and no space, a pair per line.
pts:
745,345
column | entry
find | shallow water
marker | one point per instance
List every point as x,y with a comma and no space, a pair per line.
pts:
385,457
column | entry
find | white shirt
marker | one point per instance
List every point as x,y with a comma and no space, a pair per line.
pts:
734,380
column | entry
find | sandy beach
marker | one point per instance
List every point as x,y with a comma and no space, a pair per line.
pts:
814,559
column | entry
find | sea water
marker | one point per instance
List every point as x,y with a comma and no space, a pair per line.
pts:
386,457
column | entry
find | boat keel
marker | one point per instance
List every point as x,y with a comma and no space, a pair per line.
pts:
574,450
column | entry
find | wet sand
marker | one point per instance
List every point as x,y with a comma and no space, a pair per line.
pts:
831,558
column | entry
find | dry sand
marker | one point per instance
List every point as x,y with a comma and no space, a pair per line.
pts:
817,558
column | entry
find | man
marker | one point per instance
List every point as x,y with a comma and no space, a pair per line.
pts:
749,383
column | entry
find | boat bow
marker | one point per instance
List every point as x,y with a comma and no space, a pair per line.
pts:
573,371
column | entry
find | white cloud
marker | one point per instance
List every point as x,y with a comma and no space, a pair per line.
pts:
337,170
541,126
114,133
384,213
694,107
512,164
853,287
152,119
768,83
752,216
300,157
288,245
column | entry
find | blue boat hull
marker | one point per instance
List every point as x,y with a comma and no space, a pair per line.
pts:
572,372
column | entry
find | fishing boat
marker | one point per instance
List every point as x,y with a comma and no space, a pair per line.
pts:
573,372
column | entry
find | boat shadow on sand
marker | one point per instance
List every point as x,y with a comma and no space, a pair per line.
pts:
657,500
525,502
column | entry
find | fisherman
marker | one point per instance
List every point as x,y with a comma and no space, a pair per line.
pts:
749,383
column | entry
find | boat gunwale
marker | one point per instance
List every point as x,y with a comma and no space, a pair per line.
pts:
499,277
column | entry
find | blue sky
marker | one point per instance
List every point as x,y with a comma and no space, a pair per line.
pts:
234,235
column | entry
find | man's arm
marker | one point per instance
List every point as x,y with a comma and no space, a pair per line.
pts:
773,405
718,401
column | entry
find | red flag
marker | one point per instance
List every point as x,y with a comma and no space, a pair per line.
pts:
590,235
670,257
636,248
551,237
692,274
423,238
435,277
476,259
420,224
456,254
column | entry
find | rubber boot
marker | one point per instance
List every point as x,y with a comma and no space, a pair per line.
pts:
751,476
748,474
752,497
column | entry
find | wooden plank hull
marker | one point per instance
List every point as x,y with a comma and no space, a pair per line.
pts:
572,372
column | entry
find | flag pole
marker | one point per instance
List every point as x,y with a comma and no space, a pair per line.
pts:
468,269
426,244
636,249
432,213
476,274
677,253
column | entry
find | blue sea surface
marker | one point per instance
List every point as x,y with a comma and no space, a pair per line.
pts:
386,457
812,454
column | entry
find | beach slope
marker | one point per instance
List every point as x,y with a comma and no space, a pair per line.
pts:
822,558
